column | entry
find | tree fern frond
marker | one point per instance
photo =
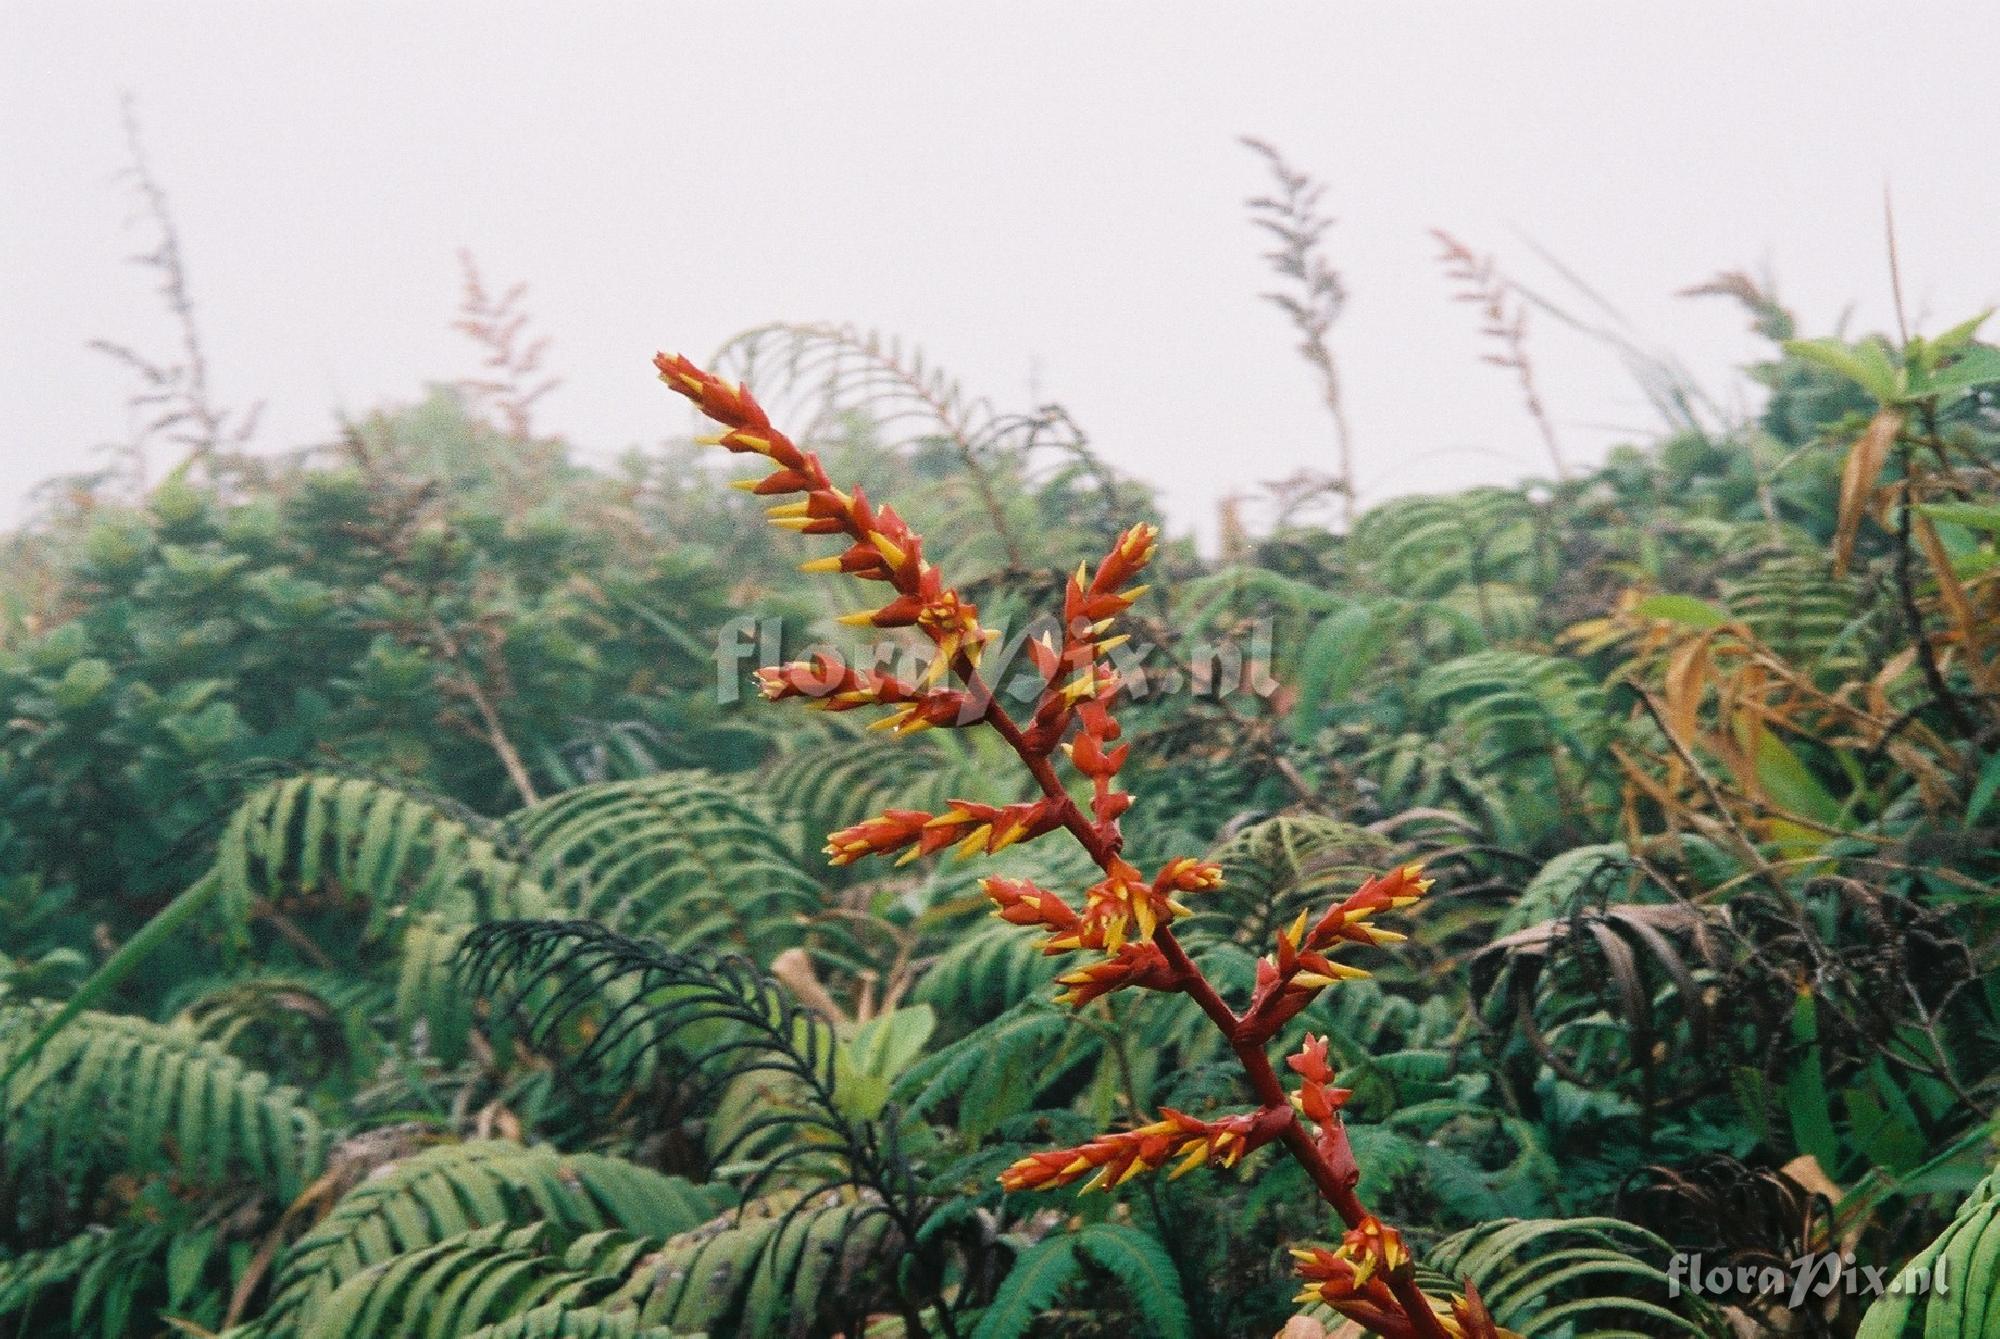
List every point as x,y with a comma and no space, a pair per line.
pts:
1134,1257
393,851
90,1280
419,869
124,1093
444,1192
560,1320
1587,1277
787,1264
985,973
674,855
1951,1288
473,1280
633,1005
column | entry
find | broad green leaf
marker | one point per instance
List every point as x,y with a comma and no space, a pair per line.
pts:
1683,609
1972,515
1867,364
1984,791
1978,366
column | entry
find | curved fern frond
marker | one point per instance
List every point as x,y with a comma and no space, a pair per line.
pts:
307,1022
1135,1258
418,870
1951,1288
1429,546
560,1320
786,1263
116,1091
997,1071
1795,606
473,1280
673,855
986,972
90,1280
1517,703
447,1191
363,841
1584,1278
634,1006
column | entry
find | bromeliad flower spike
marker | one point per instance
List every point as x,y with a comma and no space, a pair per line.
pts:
1124,927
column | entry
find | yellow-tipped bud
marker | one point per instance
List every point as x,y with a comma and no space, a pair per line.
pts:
1297,932
1197,1154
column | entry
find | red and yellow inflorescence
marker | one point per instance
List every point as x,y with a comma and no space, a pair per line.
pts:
1073,711
1293,975
1358,1278
1112,1159
1125,918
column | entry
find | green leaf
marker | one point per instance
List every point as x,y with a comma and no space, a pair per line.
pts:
1984,791
1684,609
1969,514
1037,1276
1867,364
870,1061
1805,1093
1147,1271
1961,334
1789,782
1967,1254
1976,367
82,684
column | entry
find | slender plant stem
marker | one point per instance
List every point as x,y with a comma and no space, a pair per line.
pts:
1333,1174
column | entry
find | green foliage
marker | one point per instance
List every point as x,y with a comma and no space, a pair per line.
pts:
143,1095
1588,1277
458,1200
404,933
1951,1288
674,855
1137,1261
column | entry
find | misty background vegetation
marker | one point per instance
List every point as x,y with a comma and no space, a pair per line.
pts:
1698,732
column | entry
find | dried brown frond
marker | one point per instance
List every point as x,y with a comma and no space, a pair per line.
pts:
1504,322
1769,317
1314,295
172,401
513,381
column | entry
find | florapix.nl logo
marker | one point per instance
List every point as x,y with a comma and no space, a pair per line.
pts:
1806,1279
1198,665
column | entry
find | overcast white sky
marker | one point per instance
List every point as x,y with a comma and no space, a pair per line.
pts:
1039,194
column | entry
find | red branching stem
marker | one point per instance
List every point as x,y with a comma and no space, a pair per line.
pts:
1333,1171
884,549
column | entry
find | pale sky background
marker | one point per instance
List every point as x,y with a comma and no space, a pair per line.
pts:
1041,195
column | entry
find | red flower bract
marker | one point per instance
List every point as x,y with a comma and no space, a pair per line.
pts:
1126,920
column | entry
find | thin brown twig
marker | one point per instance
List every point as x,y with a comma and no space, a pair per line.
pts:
1506,324
1317,299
